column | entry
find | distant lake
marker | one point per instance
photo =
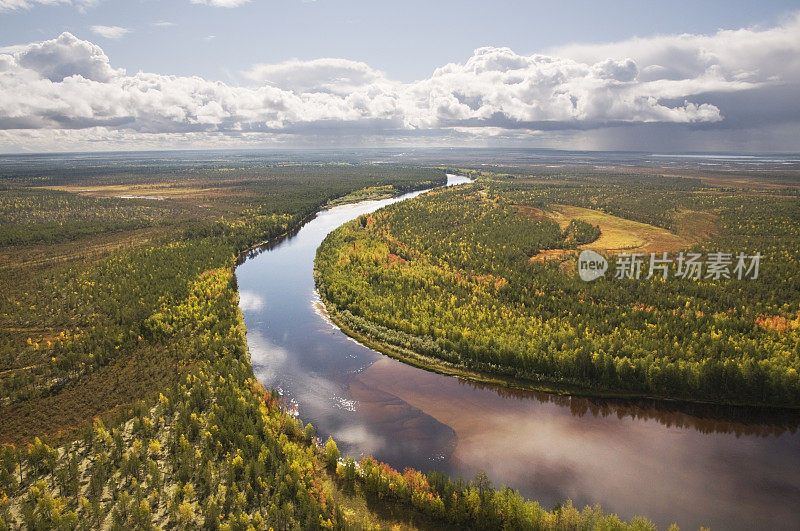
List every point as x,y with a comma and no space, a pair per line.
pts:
730,468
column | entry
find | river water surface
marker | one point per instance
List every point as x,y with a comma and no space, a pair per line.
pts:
729,468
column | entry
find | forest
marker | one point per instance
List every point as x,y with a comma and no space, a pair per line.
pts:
480,280
127,398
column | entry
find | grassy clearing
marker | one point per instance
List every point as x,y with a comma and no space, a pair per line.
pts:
155,191
620,234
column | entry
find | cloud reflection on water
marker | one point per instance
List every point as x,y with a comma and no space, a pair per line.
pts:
628,464
728,467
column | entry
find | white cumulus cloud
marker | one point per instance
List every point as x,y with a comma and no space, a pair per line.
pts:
730,79
58,59
221,3
110,32
10,5
747,54
318,75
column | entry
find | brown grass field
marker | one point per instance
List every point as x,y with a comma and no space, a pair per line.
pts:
620,235
157,191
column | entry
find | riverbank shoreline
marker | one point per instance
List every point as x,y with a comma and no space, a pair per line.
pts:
445,368
572,444
295,227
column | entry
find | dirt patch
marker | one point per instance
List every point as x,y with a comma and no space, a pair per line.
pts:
696,226
531,212
552,254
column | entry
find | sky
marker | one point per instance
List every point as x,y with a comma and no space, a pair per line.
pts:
87,75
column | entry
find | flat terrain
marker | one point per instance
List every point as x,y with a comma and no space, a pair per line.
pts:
86,259
127,397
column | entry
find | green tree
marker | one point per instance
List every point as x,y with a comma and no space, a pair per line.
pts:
331,453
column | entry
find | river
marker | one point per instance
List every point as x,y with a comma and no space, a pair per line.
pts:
730,468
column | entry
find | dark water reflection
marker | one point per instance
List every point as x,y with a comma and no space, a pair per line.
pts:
707,418
731,468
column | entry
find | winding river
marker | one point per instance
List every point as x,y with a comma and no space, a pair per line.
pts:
729,468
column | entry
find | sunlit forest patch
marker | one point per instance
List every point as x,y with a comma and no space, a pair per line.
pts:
83,268
448,281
